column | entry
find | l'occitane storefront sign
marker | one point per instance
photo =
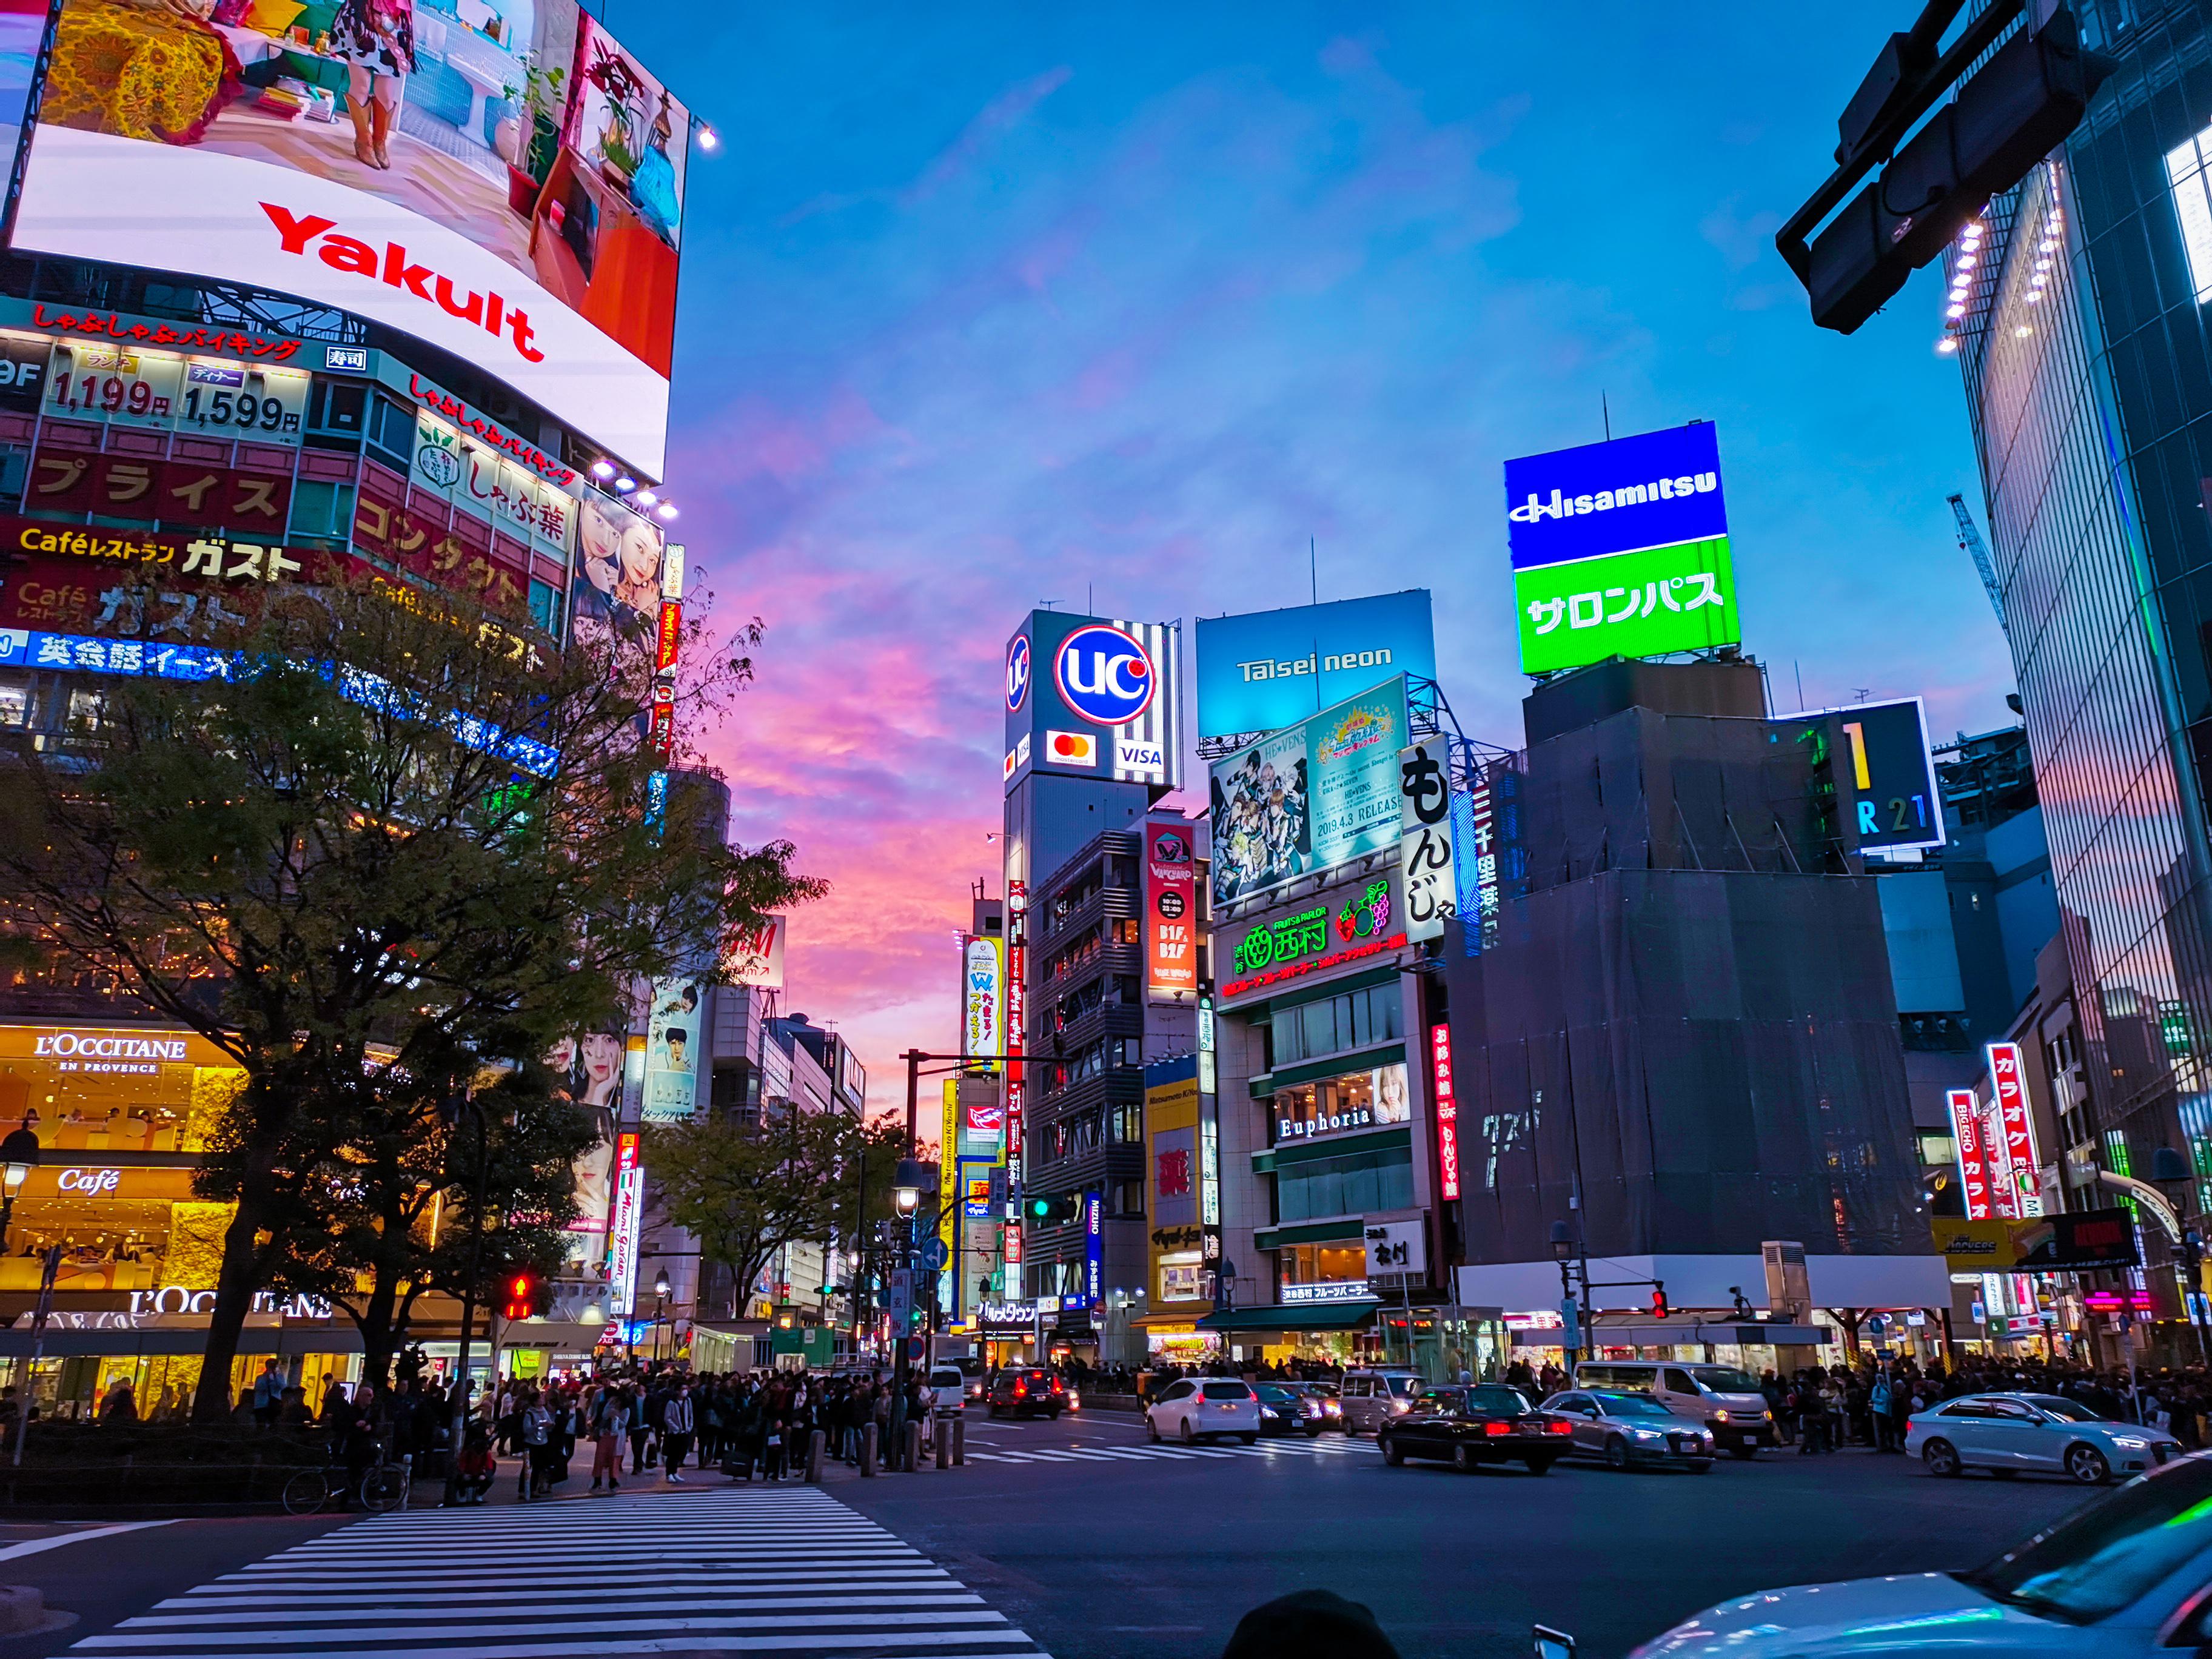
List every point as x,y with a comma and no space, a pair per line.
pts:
112,1087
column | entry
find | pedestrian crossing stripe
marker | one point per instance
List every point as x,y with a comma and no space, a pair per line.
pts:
725,1570
1118,1454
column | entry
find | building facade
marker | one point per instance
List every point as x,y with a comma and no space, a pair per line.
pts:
2081,330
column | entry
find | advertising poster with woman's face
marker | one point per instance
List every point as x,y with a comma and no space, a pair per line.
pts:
619,554
598,1070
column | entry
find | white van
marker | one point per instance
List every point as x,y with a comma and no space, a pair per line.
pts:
1725,1400
1370,1398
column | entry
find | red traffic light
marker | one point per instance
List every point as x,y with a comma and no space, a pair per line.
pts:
524,1293
1658,1304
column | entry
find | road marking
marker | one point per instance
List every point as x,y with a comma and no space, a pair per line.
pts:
791,1572
34,1546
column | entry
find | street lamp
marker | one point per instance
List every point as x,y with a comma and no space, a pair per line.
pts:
907,1185
659,1305
19,1156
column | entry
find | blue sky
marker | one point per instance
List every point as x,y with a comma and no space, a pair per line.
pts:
985,306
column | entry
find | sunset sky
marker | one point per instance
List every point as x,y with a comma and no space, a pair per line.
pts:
984,308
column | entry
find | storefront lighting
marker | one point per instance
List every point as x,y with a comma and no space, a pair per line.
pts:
667,509
1944,348
625,483
709,140
647,498
603,469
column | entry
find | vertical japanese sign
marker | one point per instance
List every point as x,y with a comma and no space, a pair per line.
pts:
983,987
1094,1248
622,1244
1209,1131
1424,849
1018,905
1973,1157
1171,903
1474,864
1444,1093
2016,1127
948,1162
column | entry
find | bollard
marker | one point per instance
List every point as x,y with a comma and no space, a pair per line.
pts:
817,1447
945,1443
868,1449
959,1442
910,1452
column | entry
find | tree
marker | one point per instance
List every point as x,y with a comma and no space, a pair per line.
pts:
746,1192
388,843
405,1222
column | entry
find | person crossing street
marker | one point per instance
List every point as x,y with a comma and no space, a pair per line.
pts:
677,1416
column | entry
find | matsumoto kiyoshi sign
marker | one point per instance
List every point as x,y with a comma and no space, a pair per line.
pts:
1620,549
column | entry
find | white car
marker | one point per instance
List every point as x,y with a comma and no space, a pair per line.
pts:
2036,1433
1199,1408
2126,1575
948,1384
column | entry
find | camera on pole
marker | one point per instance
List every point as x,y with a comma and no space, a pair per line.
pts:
2009,114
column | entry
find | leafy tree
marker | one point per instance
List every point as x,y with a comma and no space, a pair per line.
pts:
389,844
747,1192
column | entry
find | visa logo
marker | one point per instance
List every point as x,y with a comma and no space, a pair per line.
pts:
1139,756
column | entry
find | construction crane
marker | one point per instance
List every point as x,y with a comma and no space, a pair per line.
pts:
1970,539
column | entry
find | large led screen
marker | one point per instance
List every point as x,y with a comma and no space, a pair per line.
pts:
1310,797
496,177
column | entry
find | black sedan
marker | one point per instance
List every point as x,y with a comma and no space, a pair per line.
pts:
1285,1410
1486,1423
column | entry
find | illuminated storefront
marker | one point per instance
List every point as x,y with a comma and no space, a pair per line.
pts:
121,1113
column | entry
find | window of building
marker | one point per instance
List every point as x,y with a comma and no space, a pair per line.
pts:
1357,1100
1124,1124
2186,175
15,701
1333,1024
392,428
1322,1264
545,607
321,511
1125,930
1127,1198
1379,1180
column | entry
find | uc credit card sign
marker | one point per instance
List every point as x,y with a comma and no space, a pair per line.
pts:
1620,549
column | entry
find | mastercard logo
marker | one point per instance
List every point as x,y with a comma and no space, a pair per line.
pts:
1071,748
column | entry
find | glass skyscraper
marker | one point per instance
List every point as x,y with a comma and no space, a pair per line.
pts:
2077,309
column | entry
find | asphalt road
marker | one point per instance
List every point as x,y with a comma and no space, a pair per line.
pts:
1100,1546
1099,1559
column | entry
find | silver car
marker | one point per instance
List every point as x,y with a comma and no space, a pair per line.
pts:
2041,1433
1630,1429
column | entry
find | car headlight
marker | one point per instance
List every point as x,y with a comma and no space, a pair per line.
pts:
1721,1416
2130,1442
1646,1434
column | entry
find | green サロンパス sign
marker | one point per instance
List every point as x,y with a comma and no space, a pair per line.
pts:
1643,604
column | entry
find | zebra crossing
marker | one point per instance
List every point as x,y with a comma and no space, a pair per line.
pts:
1329,1447
725,1570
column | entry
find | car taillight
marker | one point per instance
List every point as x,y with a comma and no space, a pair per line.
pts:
1021,1388
1562,1428
1497,1428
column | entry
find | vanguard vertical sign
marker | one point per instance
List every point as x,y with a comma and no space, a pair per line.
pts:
1171,909
1620,549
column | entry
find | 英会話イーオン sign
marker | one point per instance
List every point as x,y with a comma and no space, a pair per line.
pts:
1620,549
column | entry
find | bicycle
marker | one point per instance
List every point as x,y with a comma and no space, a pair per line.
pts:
385,1486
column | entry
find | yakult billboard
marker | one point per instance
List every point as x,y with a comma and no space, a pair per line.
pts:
531,229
